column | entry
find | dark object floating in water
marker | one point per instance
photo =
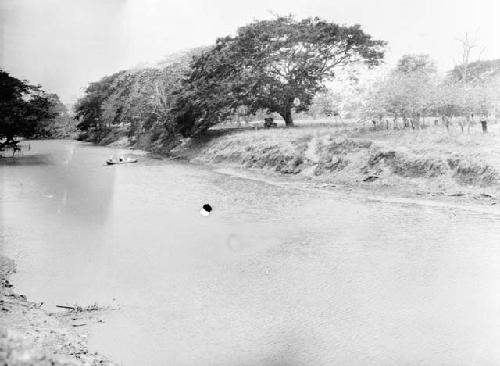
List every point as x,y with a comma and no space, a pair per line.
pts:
206,209
121,160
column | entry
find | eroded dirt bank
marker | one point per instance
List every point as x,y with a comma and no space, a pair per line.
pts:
29,335
426,163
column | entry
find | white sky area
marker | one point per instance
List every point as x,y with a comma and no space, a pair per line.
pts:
65,44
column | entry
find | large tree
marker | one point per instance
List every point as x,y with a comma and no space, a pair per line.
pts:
136,102
22,107
468,91
406,92
88,109
277,65
60,124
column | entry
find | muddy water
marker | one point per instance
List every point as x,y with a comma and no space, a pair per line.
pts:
275,276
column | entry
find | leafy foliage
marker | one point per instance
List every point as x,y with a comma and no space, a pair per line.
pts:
325,103
88,109
60,125
136,101
413,90
277,65
407,91
477,95
478,72
23,108
422,64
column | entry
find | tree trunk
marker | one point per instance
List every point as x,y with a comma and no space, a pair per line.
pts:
446,122
470,120
406,123
287,116
484,126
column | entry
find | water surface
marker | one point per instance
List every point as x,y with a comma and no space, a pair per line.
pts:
277,275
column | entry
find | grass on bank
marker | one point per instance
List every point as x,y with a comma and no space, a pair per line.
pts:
433,159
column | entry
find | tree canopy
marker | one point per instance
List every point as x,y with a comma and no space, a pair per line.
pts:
22,107
413,90
60,124
479,72
137,102
277,65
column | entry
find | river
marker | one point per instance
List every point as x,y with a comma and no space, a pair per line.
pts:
276,275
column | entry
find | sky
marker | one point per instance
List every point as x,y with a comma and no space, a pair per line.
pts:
65,44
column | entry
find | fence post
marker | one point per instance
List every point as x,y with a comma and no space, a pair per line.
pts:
484,126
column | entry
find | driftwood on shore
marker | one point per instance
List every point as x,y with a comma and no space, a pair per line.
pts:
66,307
30,335
77,308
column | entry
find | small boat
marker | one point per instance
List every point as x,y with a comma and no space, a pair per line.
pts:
112,162
121,160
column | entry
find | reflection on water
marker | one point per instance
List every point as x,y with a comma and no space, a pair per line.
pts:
274,276
25,160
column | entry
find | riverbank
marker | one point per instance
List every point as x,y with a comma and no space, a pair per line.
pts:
30,335
433,163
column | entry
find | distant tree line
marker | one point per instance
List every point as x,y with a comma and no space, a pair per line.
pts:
276,66
28,111
135,102
414,91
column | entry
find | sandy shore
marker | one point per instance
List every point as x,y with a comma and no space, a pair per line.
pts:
29,335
